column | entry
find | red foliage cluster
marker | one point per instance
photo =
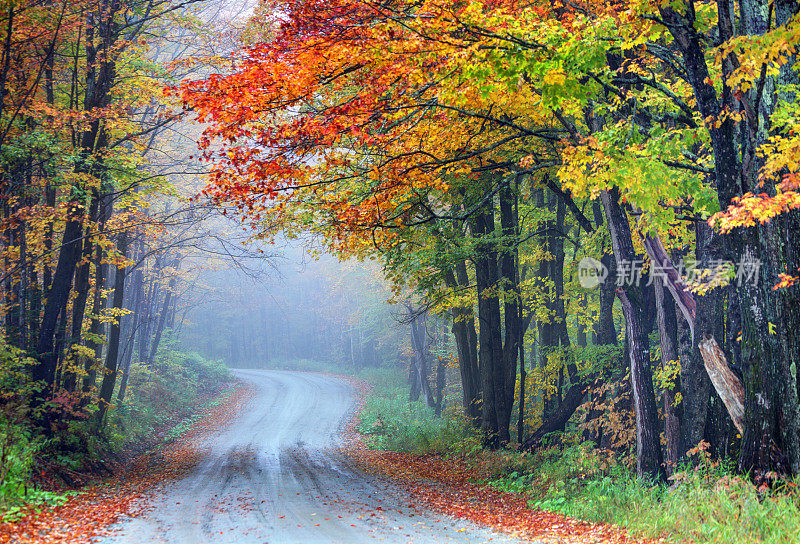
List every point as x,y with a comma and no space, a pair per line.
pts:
89,515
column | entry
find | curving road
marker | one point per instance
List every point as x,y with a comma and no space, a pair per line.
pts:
274,477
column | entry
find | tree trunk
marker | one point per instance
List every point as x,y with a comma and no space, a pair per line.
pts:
127,352
648,446
58,296
82,276
419,342
694,379
162,319
149,309
441,382
668,332
110,376
513,326
489,329
466,345
772,410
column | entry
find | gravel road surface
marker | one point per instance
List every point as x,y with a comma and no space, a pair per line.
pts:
274,476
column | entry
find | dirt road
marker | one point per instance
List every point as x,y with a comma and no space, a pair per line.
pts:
274,476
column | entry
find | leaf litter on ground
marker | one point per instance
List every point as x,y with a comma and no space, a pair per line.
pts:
91,513
451,486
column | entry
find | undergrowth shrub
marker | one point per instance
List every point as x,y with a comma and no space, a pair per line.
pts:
162,394
159,396
20,444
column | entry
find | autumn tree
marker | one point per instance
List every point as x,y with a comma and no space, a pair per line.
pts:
419,132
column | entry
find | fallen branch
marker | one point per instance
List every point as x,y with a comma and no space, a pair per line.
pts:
683,297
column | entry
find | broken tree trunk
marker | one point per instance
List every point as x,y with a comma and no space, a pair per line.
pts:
728,386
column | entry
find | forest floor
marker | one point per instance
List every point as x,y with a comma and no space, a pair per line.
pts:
88,512
266,465
452,486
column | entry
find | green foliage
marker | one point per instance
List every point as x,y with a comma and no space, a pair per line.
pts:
20,445
184,425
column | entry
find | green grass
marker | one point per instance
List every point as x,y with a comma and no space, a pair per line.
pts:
18,454
184,425
390,421
706,504
169,394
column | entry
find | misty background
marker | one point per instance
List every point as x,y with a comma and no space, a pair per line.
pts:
290,305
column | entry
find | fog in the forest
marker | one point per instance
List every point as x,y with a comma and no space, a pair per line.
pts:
287,306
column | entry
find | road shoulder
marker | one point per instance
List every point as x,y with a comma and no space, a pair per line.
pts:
91,512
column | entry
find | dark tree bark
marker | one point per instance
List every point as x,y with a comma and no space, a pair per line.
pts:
130,333
523,377
110,376
696,386
559,418
57,297
514,327
23,287
605,331
148,309
102,32
489,326
466,345
649,459
95,329
35,301
553,333
441,382
82,276
420,365
162,319
772,411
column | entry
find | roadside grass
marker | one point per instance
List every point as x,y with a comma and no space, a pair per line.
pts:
704,503
165,395
389,420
